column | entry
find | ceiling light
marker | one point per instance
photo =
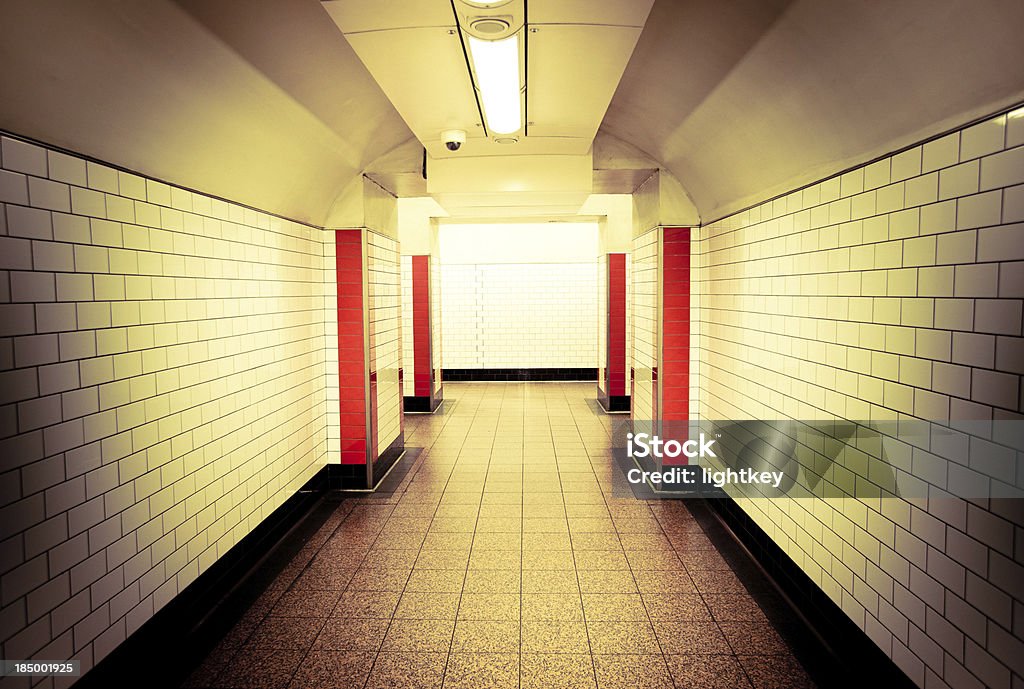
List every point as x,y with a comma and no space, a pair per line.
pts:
497,73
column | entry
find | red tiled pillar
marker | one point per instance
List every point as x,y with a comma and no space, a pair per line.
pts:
369,364
353,350
614,397
426,389
674,365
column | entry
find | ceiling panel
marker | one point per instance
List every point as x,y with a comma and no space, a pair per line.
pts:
571,76
423,72
612,12
355,16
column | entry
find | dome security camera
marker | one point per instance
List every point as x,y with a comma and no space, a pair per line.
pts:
453,138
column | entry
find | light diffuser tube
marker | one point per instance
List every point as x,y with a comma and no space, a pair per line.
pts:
497,72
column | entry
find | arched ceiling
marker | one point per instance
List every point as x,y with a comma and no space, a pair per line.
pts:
746,99
265,103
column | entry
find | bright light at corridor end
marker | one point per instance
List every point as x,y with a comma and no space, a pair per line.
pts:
497,72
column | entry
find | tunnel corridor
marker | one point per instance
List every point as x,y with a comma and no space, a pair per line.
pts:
495,343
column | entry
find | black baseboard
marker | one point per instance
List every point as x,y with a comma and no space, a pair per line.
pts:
519,374
164,650
614,403
353,476
834,649
421,404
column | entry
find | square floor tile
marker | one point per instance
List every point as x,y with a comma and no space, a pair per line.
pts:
689,637
286,632
486,636
306,603
734,607
556,671
427,606
351,634
548,559
407,671
775,672
489,606
614,607
550,581
753,638
551,606
333,670
664,582
707,672
378,604
436,581
606,581
600,559
494,559
632,637
632,672
547,636
418,636
482,671
377,579
256,668
492,581
676,606
443,559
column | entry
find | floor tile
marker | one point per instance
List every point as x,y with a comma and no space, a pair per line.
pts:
486,636
632,637
548,636
418,636
556,671
632,672
482,671
707,672
323,669
351,634
407,671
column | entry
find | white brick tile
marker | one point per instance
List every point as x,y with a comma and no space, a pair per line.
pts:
959,180
906,164
890,198
21,156
976,280
33,223
54,196
1003,169
922,190
13,187
66,168
941,153
1002,316
983,139
101,177
1003,243
88,202
979,210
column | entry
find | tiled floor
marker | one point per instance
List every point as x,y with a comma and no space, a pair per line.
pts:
508,556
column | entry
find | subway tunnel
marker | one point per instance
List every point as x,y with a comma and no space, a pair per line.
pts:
496,343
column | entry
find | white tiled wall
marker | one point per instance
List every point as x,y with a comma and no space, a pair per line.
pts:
892,292
519,315
161,383
643,281
385,333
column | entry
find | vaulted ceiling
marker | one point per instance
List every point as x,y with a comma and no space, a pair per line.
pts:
264,102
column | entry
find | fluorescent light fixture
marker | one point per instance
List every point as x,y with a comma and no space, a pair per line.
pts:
497,74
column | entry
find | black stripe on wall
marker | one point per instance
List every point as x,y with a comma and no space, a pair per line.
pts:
519,374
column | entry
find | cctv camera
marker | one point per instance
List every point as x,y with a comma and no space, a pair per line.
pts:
453,138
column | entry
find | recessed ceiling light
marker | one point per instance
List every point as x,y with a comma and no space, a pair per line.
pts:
489,27
485,4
